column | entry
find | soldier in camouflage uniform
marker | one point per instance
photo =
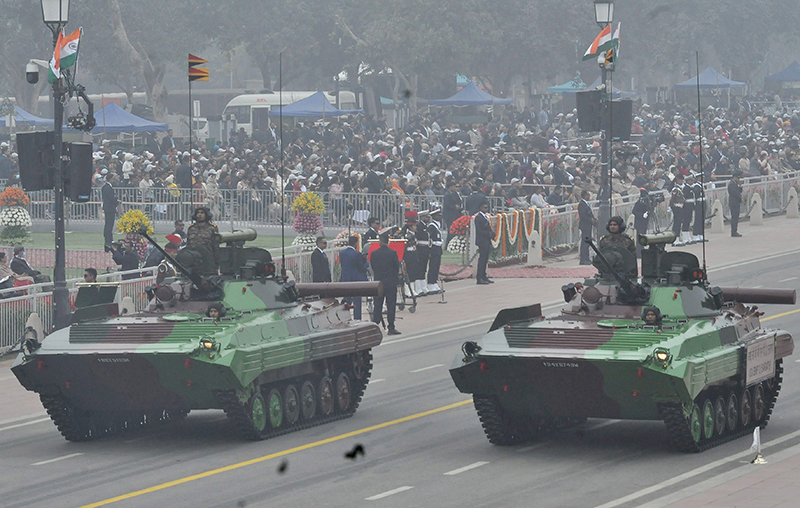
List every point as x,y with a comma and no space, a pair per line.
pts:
202,237
616,236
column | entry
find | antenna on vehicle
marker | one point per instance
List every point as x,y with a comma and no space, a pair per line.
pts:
283,183
702,171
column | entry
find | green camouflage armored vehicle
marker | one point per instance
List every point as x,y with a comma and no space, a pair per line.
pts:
667,347
274,355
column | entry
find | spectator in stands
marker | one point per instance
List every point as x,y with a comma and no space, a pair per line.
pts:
20,266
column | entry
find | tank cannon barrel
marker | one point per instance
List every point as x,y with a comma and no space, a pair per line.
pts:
340,289
657,238
246,235
760,295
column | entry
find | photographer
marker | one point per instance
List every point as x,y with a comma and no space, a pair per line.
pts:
126,257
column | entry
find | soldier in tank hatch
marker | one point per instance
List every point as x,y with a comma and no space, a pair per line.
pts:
201,237
616,236
652,316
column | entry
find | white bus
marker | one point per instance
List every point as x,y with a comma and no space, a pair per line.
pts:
252,110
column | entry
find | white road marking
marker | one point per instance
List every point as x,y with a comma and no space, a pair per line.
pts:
787,280
755,260
56,459
531,447
376,380
20,418
24,424
429,367
695,472
388,493
14,377
758,287
465,468
603,424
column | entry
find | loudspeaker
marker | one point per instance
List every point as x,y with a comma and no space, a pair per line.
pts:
621,119
36,164
78,172
589,110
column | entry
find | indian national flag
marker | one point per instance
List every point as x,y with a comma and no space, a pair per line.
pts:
602,43
65,54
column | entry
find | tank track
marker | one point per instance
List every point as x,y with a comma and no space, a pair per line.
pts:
238,413
77,425
678,425
504,429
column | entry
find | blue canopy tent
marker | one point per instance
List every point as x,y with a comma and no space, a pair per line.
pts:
710,79
314,106
790,73
470,95
113,118
576,84
22,116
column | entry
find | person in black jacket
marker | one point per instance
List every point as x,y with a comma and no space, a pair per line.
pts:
483,239
109,208
320,268
385,266
641,217
127,258
586,221
735,202
452,205
474,200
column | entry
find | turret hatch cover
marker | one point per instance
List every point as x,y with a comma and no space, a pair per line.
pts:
181,316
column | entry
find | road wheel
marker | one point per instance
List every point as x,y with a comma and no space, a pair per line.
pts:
732,411
275,407
291,405
308,400
759,403
326,400
745,408
696,423
343,392
708,419
720,416
257,411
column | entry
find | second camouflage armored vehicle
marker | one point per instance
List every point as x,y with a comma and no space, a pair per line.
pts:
245,341
670,348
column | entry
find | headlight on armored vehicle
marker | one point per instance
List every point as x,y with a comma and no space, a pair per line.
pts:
662,356
208,344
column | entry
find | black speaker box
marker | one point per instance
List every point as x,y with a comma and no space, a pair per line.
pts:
78,173
621,119
589,110
36,167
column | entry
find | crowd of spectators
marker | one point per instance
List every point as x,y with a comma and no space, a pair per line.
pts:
528,158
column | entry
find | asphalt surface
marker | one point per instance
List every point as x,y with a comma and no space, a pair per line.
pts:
423,444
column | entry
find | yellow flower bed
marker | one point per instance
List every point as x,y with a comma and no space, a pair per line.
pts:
308,202
133,220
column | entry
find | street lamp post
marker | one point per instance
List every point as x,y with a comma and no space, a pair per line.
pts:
604,15
55,14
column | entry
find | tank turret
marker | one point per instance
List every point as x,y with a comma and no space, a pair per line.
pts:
664,346
274,355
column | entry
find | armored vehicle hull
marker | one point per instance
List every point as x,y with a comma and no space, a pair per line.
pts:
273,362
707,368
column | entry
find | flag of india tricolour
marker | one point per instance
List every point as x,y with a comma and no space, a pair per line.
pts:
65,54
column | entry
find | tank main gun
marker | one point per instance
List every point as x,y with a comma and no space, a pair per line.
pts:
632,292
201,283
760,295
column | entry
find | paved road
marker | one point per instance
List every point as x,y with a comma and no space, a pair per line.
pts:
423,441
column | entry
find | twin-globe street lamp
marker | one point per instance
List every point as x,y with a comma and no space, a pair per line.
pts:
55,14
604,16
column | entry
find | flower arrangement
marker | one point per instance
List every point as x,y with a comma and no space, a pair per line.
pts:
16,221
308,223
308,202
457,244
460,226
133,220
307,240
14,196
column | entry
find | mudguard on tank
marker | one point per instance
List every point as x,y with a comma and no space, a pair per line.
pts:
702,362
244,341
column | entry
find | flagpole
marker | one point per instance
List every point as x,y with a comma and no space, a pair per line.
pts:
283,182
191,155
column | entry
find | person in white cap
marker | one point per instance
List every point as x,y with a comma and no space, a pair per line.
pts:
435,261
423,253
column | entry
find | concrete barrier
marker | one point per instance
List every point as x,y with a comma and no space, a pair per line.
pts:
535,249
756,211
718,221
